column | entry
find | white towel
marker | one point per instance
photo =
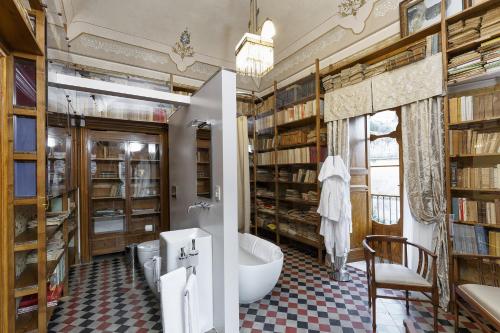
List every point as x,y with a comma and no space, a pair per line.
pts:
173,285
191,306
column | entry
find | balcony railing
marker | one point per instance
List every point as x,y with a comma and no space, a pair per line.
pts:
385,208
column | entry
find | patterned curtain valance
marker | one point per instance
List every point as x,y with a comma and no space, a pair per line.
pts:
418,81
348,102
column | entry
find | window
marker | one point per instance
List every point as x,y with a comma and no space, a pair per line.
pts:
385,167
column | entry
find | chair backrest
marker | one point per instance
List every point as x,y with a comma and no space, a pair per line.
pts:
477,269
386,249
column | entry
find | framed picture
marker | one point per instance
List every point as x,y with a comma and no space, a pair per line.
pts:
415,15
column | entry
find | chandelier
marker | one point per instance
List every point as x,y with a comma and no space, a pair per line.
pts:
255,51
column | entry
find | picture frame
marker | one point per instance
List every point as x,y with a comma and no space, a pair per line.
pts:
415,15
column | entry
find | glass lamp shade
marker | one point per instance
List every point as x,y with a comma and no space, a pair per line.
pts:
254,55
268,29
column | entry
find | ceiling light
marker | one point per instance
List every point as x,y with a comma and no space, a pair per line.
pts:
268,30
255,52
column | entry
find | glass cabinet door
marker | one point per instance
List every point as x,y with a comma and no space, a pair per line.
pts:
56,163
144,186
107,186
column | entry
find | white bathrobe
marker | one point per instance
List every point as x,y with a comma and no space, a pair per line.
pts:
335,206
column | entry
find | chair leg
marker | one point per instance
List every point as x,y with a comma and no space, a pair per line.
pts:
435,317
407,294
369,295
374,311
457,318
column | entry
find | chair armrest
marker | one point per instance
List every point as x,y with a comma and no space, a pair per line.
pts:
427,262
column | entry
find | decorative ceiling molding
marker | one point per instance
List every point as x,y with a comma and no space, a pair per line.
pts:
383,7
183,52
352,14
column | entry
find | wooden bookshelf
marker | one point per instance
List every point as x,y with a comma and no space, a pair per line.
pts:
125,193
478,86
281,225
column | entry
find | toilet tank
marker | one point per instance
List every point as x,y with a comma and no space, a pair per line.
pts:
171,243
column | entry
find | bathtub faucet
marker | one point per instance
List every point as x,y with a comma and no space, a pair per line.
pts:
200,204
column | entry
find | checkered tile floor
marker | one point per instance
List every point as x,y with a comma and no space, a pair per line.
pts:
105,298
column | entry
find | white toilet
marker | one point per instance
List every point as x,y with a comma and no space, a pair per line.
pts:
148,250
145,253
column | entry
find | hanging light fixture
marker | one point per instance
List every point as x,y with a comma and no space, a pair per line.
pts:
255,51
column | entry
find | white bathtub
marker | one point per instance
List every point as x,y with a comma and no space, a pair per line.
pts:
260,264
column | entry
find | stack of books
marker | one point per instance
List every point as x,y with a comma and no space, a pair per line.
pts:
463,32
490,51
469,210
376,69
265,175
490,24
465,66
331,82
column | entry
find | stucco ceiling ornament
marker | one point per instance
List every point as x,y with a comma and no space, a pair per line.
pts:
352,14
183,52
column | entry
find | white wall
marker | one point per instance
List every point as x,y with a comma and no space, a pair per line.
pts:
214,102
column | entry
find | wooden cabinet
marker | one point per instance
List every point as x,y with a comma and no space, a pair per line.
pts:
124,192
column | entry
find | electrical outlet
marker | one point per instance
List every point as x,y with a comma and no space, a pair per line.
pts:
148,227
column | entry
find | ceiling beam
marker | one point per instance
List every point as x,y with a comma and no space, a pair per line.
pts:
115,89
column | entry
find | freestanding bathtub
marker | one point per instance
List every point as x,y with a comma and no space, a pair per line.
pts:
260,264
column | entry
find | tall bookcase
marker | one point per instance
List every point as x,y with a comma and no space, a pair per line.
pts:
472,120
22,186
290,145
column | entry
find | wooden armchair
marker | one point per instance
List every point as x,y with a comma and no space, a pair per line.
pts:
387,267
479,301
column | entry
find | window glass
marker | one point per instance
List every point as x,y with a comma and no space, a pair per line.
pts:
383,123
24,179
24,82
24,134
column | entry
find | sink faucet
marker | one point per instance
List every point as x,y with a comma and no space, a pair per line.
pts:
200,204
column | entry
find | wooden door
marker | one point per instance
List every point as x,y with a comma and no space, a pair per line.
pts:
386,175
359,185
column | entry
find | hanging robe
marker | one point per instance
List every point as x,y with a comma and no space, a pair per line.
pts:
335,206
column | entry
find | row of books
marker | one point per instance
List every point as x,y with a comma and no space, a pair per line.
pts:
474,239
244,108
292,156
298,176
475,178
298,112
264,123
471,142
266,105
478,107
265,143
296,92
468,210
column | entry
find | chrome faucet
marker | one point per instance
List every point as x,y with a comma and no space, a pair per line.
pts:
200,204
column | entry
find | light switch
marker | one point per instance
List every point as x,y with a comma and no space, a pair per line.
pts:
148,227
217,193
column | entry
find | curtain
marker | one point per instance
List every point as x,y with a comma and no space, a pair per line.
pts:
338,139
243,176
348,102
408,84
423,157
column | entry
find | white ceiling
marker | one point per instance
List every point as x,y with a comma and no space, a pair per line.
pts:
215,25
